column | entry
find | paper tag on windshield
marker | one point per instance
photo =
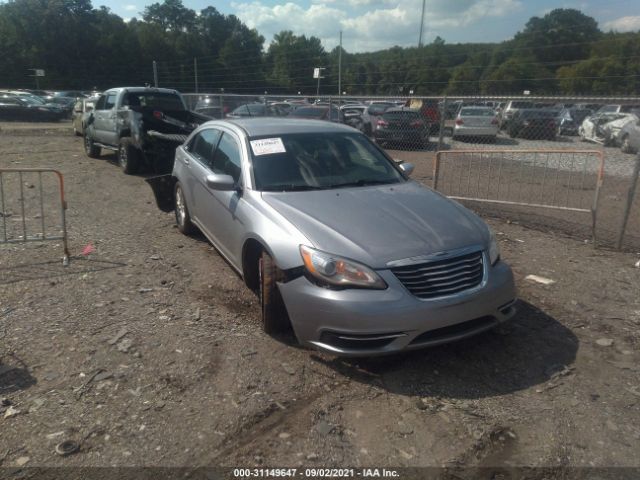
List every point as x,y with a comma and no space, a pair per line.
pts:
267,146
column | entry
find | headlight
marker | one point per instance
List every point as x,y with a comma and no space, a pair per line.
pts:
494,248
338,271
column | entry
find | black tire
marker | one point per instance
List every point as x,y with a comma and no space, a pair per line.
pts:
183,219
625,146
90,149
128,156
274,314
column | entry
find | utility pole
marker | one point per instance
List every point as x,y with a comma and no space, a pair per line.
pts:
155,74
421,24
195,72
340,68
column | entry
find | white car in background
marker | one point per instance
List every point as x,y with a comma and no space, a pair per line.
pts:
605,128
356,115
629,136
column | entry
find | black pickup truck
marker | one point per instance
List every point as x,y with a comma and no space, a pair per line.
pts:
143,125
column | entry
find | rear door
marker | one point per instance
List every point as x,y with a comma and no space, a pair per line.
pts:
192,165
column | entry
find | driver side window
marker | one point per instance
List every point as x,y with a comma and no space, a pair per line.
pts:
227,158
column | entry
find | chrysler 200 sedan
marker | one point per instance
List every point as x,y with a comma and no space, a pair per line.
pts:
336,240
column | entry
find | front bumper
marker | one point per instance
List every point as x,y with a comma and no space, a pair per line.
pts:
359,322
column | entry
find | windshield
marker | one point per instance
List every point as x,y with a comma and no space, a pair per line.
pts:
319,161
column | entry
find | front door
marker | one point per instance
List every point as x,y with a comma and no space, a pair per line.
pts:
219,212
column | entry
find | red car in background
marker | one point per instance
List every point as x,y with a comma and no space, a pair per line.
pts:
428,108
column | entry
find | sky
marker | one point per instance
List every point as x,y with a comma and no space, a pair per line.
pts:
370,25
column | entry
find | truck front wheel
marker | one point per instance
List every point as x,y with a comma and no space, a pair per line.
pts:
90,149
128,156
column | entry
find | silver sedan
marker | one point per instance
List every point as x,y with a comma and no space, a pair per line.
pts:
337,241
476,122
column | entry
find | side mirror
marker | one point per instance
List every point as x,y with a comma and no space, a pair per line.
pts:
220,181
407,168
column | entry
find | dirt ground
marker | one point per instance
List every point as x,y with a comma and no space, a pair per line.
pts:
148,352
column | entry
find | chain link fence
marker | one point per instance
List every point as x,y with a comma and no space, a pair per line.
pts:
525,140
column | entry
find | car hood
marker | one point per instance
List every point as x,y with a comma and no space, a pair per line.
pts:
379,224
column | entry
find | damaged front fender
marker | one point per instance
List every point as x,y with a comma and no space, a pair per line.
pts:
163,187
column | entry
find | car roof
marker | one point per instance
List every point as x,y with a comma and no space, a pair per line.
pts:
142,89
255,127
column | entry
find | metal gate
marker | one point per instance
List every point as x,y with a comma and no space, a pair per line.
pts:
17,227
556,179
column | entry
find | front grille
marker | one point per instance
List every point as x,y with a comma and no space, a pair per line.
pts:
442,277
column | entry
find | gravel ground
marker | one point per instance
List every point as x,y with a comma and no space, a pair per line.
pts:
148,351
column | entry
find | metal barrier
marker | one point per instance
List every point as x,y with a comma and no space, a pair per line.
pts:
567,180
24,235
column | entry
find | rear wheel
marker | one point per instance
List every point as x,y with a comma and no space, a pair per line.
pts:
90,149
183,219
128,156
626,146
274,314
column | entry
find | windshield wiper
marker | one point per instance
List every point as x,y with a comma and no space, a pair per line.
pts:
360,183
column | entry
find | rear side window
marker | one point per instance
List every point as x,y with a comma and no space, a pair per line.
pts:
227,158
101,102
202,145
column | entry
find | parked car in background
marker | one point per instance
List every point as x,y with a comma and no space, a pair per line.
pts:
629,136
318,112
570,119
356,116
81,110
429,109
510,110
605,128
339,244
373,114
255,110
477,122
219,106
26,109
402,126
283,108
618,109
533,123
